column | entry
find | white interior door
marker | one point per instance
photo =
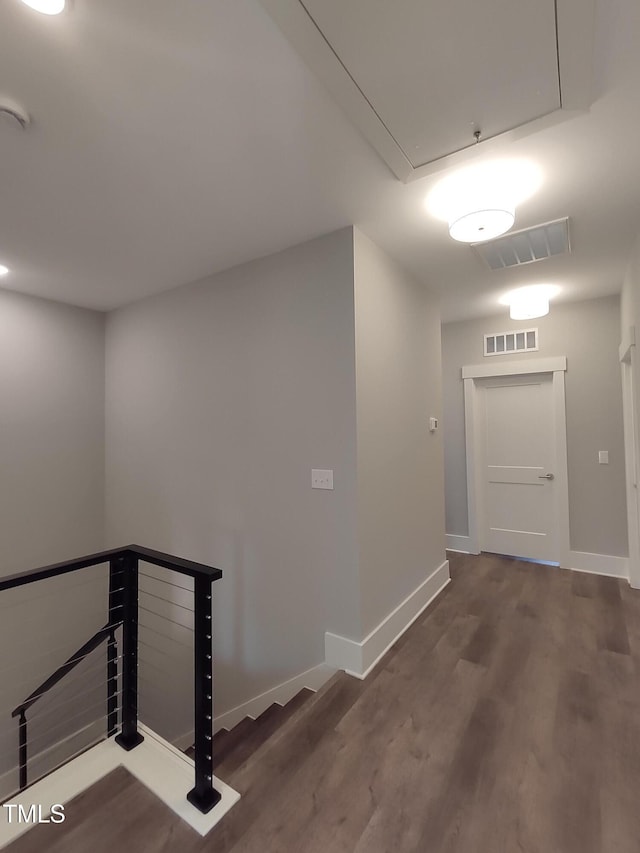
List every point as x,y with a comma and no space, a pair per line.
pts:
517,464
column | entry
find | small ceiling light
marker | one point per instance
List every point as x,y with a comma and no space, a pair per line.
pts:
47,7
527,303
3,270
479,202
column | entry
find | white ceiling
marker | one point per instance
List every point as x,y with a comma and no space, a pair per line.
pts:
436,72
172,140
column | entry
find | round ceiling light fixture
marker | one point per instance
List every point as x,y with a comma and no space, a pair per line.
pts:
3,270
47,7
528,303
479,225
479,202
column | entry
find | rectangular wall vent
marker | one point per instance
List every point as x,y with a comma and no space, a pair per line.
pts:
505,343
527,246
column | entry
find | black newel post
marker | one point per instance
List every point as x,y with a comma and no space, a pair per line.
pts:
116,577
129,736
22,749
203,796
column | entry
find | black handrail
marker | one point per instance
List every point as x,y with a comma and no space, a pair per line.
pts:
123,609
71,662
158,558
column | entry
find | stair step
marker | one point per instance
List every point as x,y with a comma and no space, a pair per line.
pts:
219,738
227,744
282,755
262,729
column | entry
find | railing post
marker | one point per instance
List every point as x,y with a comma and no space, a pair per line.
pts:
203,795
116,578
112,684
22,749
129,736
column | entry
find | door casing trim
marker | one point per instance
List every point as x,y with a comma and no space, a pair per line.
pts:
629,367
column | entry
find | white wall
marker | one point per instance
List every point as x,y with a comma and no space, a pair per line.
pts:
588,333
400,463
221,398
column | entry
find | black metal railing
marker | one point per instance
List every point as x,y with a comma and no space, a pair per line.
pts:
123,622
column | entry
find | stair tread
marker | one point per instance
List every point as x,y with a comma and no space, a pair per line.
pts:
303,718
235,736
295,743
262,729
219,737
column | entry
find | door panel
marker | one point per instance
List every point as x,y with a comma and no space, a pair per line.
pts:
518,451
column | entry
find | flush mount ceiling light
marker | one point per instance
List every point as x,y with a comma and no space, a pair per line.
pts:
479,202
47,7
527,303
483,224
3,270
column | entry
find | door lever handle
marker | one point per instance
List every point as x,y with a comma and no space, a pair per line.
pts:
545,476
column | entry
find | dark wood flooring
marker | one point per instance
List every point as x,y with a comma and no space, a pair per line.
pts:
506,719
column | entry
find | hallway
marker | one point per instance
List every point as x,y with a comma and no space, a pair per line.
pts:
507,718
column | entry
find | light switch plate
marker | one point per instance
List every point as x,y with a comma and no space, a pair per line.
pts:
603,457
321,478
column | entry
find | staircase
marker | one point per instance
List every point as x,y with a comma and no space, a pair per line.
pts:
234,747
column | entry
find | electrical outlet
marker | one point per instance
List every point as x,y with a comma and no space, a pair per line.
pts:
321,478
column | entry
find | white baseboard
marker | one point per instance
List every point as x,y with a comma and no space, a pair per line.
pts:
599,564
358,659
313,679
163,769
459,543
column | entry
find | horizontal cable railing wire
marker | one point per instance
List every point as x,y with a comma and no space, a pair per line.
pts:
166,639
164,610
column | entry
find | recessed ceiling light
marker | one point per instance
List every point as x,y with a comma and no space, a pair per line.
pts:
479,202
3,270
527,303
47,7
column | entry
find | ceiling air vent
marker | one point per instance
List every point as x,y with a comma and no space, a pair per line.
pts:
526,247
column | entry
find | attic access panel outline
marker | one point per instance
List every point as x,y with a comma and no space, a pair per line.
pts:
574,27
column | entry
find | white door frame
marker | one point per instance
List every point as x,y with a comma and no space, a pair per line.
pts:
475,494
629,368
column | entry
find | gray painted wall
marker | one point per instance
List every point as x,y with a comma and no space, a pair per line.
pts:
221,398
51,431
588,333
400,463
51,509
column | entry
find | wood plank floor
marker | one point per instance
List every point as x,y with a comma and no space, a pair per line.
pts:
506,719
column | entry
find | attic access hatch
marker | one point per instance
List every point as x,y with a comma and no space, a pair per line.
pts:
418,77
